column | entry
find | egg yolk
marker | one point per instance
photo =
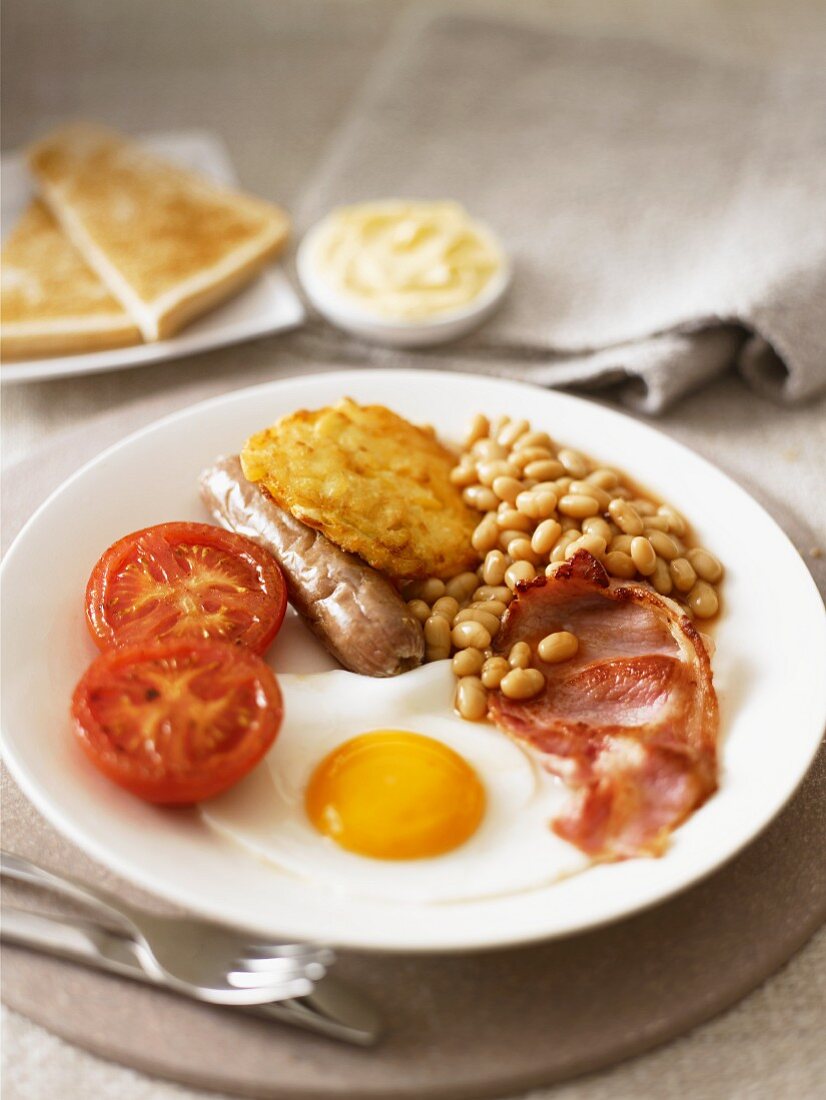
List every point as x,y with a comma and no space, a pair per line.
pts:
395,795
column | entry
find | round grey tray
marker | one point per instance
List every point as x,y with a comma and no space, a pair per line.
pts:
463,1026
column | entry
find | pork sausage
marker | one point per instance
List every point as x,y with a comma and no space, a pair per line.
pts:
356,612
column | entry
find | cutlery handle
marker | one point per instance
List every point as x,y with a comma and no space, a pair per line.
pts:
333,1009
71,938
25,870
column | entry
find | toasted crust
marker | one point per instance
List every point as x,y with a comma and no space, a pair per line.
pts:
167,243
373,483
52,303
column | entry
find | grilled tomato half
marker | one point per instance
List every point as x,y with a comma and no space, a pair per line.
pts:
185,580
176,722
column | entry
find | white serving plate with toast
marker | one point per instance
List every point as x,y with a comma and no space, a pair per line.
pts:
771,652
269,304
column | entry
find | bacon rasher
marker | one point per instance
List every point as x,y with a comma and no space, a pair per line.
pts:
630,722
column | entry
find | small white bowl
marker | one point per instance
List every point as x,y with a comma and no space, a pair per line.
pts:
342,311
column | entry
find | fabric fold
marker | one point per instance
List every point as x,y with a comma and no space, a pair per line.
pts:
664,211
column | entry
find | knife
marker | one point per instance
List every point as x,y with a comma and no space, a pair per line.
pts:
333,1009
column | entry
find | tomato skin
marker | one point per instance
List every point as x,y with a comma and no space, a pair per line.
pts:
132,697
164,571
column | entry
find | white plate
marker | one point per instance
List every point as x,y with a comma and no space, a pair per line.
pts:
269,304
768,669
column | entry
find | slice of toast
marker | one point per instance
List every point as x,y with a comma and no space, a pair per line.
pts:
51,302
167,243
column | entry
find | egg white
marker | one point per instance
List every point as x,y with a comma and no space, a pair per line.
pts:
513,850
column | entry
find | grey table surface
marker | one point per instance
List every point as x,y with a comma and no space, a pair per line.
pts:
274,79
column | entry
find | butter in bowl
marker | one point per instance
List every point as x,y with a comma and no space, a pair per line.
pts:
403,273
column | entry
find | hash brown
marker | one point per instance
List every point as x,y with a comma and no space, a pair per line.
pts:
370,481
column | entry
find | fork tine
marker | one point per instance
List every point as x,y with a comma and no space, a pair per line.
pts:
265,961
247,979
314,970
262,994
278,970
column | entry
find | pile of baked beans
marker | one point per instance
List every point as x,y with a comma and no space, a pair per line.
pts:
539,505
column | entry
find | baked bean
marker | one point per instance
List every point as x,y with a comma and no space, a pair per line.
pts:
644,507
473,615
461,586
594,544
596,525
486,535
437,632
583,488
488,450
471,698
603,478
498,424
520,655
495,607
706,566
622,543
447,606
559,646
428,590
525,503
467,634
493,569
488,472
508,536
676,524
626,517
665,546
562,544
468,662
518,572
545,535
464,475
682,574
533,439
493,592
620,564
522,683
544,503
703,601
643,555
477,429
480,497
654,523
546,469
507,488
561,485
512,519
620,492
524,456
419,609
661,578
575,463
522,550
512,432
569,523
493,671
578,505
434,653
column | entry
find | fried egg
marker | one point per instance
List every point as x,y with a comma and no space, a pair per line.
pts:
375,788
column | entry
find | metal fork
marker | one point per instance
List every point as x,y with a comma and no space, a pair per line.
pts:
202,959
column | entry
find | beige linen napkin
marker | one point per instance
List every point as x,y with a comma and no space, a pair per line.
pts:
666,213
